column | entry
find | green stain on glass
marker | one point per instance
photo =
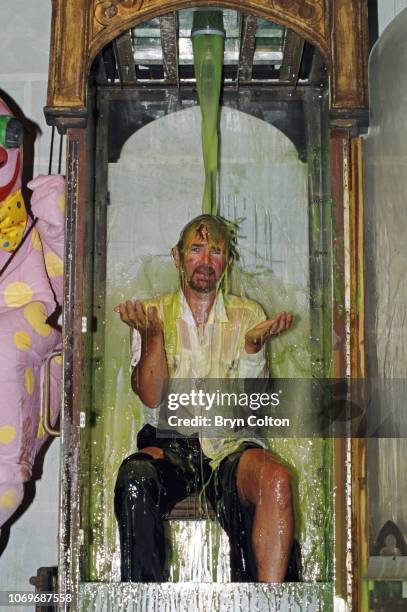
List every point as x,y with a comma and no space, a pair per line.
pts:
208,60
336,268
315,217
315,160
337,283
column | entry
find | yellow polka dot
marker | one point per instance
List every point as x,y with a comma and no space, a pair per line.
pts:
36,240
58,359
29,381
36,315
54,265
17,294
8,499
61,201
40,430
22,340
7,434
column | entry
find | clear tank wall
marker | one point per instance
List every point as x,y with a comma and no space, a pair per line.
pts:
155,188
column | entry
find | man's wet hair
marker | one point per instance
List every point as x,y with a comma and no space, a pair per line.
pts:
216,228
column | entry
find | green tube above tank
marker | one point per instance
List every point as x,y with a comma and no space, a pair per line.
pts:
208,43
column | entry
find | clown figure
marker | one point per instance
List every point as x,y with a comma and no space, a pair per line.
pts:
31,267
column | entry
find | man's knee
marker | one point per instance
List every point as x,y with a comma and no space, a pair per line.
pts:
262,479
275,484
136,481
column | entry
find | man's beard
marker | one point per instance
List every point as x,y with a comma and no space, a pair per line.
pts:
202,288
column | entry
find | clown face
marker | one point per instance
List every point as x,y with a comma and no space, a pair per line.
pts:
10,153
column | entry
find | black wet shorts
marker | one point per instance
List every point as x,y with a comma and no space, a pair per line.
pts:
183,471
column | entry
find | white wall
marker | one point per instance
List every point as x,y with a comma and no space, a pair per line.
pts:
387,10
385,152
24,52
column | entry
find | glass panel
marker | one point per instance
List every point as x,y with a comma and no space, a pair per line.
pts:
268,44
387,493
147,43
154,188
387,596
148,184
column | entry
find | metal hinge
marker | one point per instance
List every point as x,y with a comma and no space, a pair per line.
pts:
81,537
84,325
82,420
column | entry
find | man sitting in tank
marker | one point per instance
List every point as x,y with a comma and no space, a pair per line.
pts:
203,332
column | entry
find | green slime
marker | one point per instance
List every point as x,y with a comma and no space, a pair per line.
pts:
208,59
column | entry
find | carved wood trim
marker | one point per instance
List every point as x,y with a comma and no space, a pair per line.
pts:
360,535
349,54
308,17
349,360
357,313
68,69
81,28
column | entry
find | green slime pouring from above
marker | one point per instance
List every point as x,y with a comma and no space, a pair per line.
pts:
208,43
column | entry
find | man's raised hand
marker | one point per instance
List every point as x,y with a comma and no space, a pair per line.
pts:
258,335
146,321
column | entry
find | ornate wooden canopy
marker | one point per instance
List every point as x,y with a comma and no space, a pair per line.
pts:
81,28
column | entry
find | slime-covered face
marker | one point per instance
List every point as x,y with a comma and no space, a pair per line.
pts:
10,164
203,259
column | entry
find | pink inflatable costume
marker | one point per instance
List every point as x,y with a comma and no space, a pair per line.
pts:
31,262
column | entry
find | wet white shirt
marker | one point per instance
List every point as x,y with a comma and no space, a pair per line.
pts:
216,354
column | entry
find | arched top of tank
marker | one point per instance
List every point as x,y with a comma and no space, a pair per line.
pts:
308,18
287,117
159,51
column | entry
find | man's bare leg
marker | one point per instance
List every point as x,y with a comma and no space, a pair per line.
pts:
265,483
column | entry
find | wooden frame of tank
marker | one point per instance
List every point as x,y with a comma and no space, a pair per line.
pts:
338,29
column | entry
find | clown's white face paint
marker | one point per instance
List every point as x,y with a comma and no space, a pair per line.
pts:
10,164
